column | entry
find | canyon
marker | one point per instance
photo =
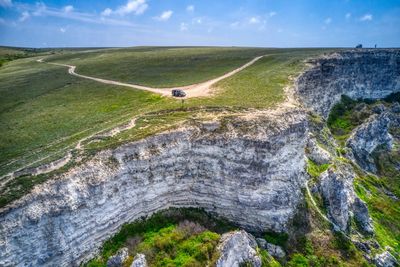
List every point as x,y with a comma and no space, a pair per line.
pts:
249,169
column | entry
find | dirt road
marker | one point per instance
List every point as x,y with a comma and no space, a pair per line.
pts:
194,90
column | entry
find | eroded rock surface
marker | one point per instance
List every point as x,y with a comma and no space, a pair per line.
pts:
237,248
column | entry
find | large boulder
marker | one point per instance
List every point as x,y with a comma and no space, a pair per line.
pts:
361,215
273,250
317,153
237,248
139,261
119,258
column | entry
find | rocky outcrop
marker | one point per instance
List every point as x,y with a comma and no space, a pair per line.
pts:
237,248
316,153
363,73
338,193
139,261
249,170
367,137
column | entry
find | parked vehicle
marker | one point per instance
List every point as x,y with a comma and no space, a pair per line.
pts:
178,93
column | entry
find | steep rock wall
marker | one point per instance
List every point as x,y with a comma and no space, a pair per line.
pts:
249,170
363,73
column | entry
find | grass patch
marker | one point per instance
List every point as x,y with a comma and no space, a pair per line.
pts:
315,170
160,66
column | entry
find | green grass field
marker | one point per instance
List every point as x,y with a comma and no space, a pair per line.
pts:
159,67
44,111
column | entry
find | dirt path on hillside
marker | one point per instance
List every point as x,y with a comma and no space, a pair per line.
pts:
194,90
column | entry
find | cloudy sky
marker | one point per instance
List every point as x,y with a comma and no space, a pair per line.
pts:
267,23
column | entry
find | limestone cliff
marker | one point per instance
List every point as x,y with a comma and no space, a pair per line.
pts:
371,74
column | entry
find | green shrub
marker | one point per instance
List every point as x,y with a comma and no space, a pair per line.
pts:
279,239
298,260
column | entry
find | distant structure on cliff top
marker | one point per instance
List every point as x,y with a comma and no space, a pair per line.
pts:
359,46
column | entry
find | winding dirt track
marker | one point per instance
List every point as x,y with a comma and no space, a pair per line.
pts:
194,90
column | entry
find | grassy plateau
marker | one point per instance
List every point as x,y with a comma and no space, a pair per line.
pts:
44,111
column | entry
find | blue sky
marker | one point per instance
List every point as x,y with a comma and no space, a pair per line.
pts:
267,23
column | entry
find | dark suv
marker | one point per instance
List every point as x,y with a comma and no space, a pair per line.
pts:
178,93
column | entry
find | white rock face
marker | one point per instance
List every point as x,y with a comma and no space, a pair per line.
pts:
359,74
250,172
236,248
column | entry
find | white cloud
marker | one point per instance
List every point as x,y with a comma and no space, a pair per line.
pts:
63,30
106,12
328,21
235,24
136,7
197,21
132,6
165,15
68,8
190,8
183,27
272,13
348,15
40,9
5,3
254,20
24,16
366,17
